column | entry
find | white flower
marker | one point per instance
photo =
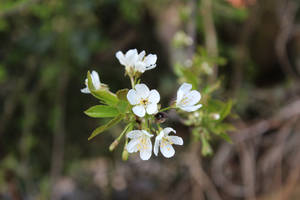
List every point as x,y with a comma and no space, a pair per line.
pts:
140,141
145,62
186,99
143,99
95,80
136,62
165,142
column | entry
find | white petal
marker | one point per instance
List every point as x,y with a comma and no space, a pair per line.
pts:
168,130
154,96
85,90
150,59
175,140
131,57
134,134
141,55
150,67
146,133
132,146
156,146
142,90
167,150
139,110
95,79
191,108
192,98
161,135
145,154
183,89
132,97
131,52
121,57
140,66
151,108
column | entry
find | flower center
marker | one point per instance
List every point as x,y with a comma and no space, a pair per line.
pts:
144,102
165,141
185,100
142,144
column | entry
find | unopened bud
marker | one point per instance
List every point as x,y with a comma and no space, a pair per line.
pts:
113,145
216,116
125,155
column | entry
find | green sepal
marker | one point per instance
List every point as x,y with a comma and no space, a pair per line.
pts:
101,111
104,127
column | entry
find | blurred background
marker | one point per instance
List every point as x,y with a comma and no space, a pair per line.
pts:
46,48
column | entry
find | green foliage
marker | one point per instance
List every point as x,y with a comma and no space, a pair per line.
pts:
3,73
101,111
224,11
225,110
131,10
104,127
116,106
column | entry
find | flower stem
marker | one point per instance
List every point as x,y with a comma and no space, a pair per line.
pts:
132,81
116,142
159,129
167,108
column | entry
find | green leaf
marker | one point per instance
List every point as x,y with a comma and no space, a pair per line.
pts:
101,111
221,128
191,77
122,94
104,127
226,110
102,94
226,137
122,106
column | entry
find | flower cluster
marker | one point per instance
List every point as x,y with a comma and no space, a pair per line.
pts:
139,107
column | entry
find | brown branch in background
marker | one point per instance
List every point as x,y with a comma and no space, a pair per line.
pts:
210,33
200,180
59,132
274,157
286,13
269,162
287,112
246,154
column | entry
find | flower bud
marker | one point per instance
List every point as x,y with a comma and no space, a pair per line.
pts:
113,145
125,155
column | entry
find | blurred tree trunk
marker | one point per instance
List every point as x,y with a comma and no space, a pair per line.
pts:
59,131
